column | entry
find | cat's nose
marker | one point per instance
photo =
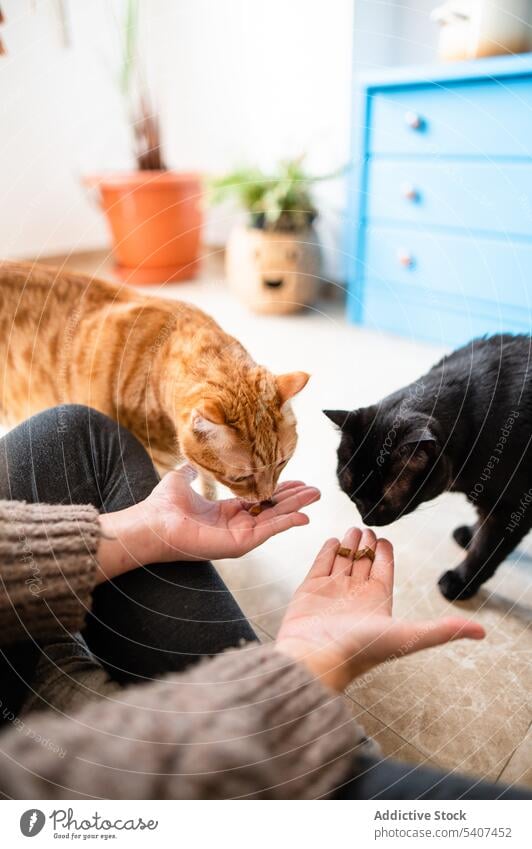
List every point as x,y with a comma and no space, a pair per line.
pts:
376,516
265,493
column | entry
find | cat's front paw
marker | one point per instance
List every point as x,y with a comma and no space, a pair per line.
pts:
455,588
463,535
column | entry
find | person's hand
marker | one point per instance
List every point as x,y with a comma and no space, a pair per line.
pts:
175,523
340,624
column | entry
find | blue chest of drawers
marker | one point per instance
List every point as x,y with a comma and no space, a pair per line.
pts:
439,237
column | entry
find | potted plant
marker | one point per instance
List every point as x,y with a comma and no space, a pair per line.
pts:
273,261
154,214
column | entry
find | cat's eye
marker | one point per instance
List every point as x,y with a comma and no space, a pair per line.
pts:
281,463
241,479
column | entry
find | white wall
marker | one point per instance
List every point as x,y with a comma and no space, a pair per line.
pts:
394,33
59,114
237,81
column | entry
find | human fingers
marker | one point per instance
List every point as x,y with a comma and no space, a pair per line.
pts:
436,632
361,562
323,563
350,542
276,525
280,500
282,487
290,501
383,565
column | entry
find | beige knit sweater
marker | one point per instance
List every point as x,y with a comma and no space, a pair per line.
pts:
249,723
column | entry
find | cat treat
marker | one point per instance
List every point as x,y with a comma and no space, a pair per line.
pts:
364,552
256,509
356,555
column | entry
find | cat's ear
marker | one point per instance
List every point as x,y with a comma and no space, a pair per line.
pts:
207,417
290,384
418,443
338,417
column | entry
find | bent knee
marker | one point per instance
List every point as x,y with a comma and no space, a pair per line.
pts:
71,417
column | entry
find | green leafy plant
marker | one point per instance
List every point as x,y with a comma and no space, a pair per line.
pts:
280,202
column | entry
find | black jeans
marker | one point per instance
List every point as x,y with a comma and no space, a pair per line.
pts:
152,620
162,617
389,779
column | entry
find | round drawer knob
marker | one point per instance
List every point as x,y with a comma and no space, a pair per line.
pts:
413,120
405,258
409,192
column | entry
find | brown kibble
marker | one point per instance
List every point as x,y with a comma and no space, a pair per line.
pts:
356,555
256,509
364,552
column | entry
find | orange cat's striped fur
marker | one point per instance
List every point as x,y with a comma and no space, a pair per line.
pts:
162,368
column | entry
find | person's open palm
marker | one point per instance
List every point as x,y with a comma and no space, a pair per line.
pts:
340,622
191,527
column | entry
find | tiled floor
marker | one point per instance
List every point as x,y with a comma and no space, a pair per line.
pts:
466,706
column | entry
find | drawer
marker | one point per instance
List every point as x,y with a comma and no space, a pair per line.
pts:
435,318
495,270
474,118
494,197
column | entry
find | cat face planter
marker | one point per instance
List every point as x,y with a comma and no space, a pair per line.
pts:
273,272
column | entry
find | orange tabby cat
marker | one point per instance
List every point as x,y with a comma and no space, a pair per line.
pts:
162,368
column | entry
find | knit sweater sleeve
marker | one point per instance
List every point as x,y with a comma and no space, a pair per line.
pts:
47,568
250,723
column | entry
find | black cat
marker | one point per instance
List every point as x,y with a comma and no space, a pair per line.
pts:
465,426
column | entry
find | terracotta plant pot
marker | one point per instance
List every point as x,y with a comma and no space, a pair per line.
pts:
273,272
155,218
